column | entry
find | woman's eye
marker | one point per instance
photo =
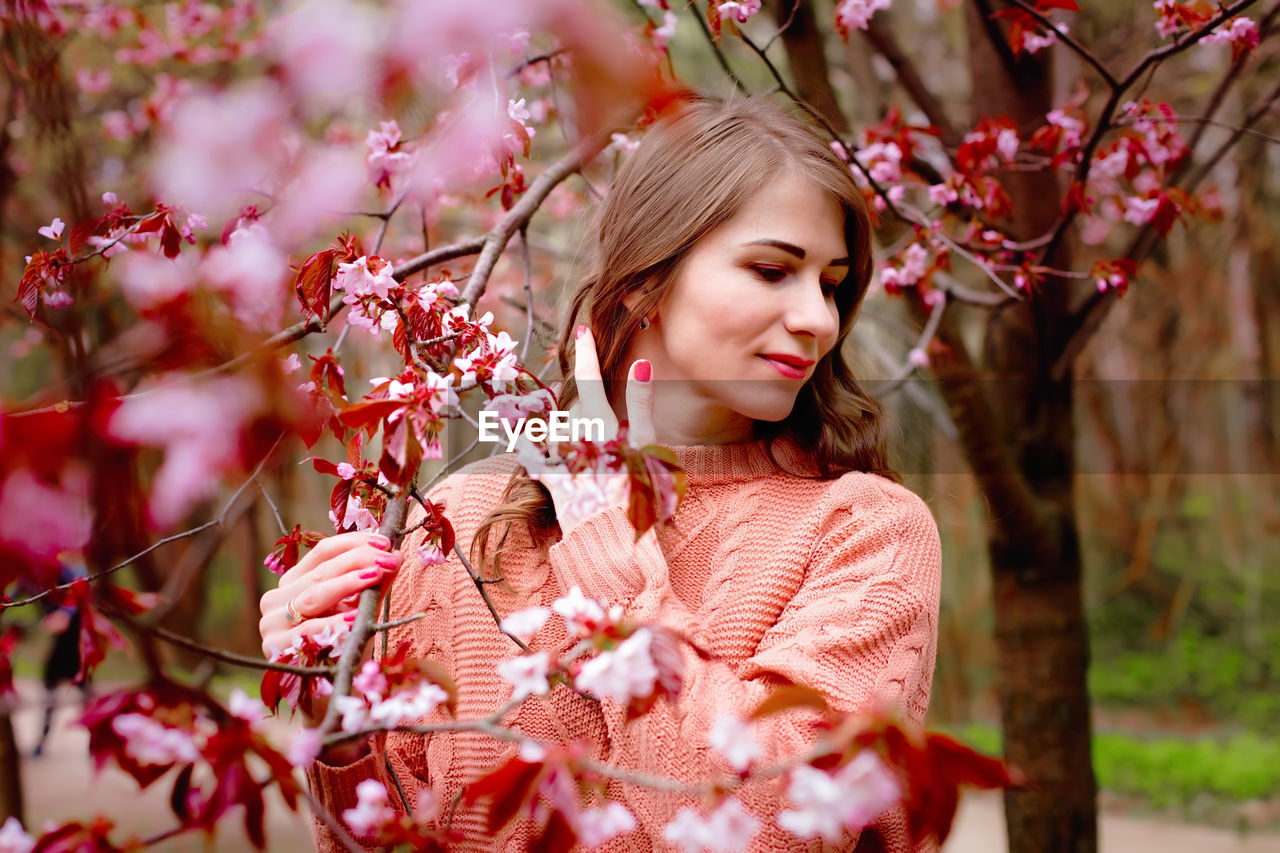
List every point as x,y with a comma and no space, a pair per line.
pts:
769,273
829,287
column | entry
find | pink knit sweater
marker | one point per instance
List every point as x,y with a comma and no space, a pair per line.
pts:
831,584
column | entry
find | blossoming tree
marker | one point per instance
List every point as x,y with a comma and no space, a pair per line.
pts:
307,172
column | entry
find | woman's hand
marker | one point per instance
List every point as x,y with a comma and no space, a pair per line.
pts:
323,589
579,498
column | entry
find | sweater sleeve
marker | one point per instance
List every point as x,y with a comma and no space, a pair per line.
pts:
334,787
861,629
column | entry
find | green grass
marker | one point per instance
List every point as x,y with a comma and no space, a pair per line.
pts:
1171,772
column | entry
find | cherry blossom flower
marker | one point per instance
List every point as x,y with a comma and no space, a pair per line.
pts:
856,14
527,674
1035,42
364,277
14,839
728,829
357,516
372,811
200,162
333,637
354,712
241,705
596,826
850,798
407,706
152,743
1071,127
582,616
739,10
251,270
1240,32
291,365
304,746
628,672
917,357
42,519
431,555
329,51
662,36
386,158
525,623
53,230
149,280
732,738
371,680
1140,210
883,161
198,423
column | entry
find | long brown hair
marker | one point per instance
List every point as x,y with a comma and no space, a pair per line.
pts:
693,171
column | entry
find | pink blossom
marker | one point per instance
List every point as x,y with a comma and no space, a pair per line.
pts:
1034,42
728,829
662,36
628,672
252,272
201,161
328,183
407,706
370,680
1167,21
372,811
198,424
151,743
1239,29
14,839
329,50
44,520
1071,127
304,746
332,637
431,555
292,364
346,471
1140,210
850,798
917,357
732,738
358,281
525,623
93,82
527,674
596,826
357,516
883,161
1007,144
943,194
582,616
386,158
252,711
856,14
53,230
739,10
354,712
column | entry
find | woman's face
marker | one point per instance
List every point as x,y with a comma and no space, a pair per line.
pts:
752,312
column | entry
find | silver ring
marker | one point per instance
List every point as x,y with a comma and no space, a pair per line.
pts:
291,613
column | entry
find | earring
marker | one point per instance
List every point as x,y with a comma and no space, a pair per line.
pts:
644,323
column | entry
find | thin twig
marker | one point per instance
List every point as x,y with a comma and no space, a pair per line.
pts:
721,59
275,510
318,809
488,602
396,623
1070,42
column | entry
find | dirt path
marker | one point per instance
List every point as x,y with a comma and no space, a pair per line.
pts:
61,785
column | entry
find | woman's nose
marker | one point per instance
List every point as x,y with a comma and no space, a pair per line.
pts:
809,312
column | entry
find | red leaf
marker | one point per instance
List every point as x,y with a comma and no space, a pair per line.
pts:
365,414
787,697
1066,5
510,786
315,278
170,240
1165,216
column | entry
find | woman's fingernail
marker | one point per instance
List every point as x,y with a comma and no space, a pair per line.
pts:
388,561
371,574
644,370
377,540
580,331
349,617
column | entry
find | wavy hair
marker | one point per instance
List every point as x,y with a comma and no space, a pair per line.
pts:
693,171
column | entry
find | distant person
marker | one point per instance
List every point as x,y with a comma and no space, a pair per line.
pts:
63,662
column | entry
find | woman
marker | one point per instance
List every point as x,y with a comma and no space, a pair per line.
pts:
733,254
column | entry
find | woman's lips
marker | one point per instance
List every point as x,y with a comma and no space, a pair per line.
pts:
787,369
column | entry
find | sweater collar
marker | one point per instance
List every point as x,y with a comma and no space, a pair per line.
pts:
710,464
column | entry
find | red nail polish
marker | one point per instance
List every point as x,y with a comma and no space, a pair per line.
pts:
387,561
371,574
349,617
580,331
377,540
644,371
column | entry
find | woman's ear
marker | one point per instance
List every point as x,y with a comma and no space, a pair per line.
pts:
631,300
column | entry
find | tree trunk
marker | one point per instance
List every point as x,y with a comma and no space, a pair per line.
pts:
10,772
1040,629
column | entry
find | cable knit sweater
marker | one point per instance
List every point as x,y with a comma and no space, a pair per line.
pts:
832,584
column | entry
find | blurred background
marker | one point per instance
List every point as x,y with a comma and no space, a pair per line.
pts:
1176,443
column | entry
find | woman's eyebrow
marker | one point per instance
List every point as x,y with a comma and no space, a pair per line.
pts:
793,249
